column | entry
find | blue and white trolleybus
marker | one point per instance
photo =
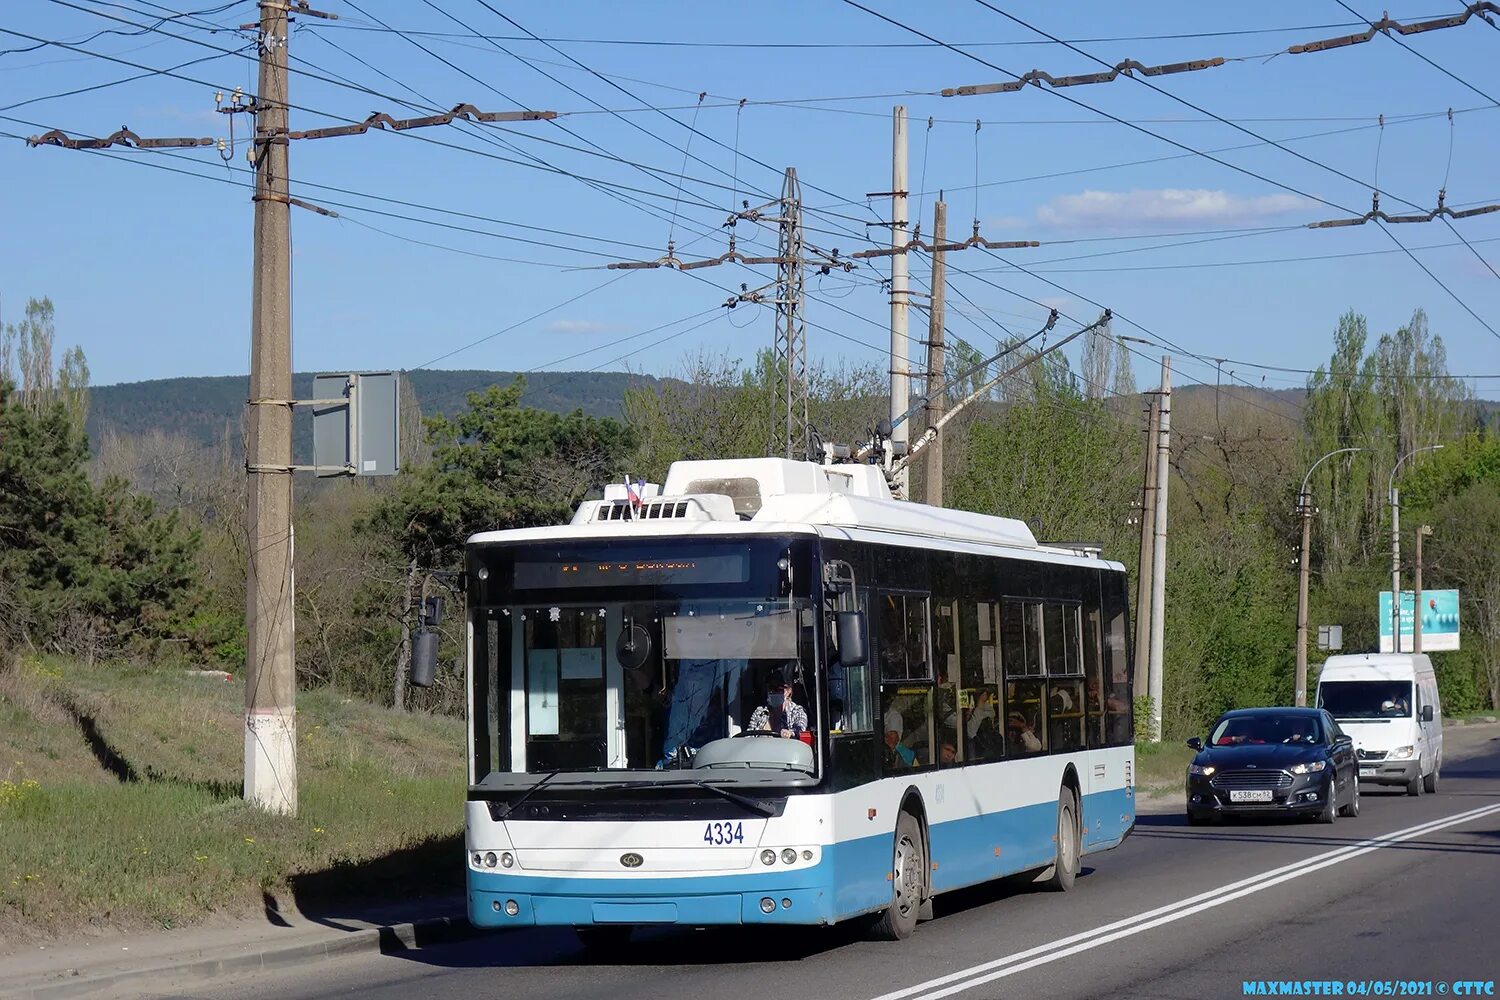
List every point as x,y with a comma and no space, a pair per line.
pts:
768,693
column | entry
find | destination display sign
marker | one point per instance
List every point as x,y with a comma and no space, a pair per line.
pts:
635,572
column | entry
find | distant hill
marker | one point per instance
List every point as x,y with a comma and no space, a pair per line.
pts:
202,408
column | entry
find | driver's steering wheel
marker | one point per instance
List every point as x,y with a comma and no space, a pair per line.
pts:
756,732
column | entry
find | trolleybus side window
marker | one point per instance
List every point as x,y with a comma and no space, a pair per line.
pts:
979,694
1117,659
945,654
902,646
1025,691
1021,638
1065,669
1093,678
904,653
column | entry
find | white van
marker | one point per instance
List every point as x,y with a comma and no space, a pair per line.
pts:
1388,702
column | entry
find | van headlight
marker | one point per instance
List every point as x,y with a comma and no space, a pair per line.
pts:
1401,753
1309,767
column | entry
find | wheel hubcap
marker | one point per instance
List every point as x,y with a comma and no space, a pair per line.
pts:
1064,841
907,874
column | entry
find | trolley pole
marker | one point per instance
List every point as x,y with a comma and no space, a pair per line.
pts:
270,678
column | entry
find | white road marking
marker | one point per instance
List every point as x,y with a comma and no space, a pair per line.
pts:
966,979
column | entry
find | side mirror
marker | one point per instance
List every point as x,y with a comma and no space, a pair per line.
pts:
852,633
424,652
1195,743
1426,713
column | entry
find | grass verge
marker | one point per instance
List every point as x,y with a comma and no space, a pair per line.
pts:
120,808
1161,767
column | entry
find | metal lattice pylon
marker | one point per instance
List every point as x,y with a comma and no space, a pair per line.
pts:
791,432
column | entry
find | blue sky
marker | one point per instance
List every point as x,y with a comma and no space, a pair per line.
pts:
150,270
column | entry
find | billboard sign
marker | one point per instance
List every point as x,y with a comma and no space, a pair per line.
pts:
1439,621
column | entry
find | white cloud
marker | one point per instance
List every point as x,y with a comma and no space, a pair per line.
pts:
1149,208
580,326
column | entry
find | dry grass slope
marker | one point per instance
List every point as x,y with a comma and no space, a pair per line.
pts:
119,803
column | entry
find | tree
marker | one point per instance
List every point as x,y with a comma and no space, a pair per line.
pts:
499,465
1053,461
91,567
1394,399
718,408
1463,553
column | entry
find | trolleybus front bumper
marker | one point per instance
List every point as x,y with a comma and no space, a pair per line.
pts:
506,900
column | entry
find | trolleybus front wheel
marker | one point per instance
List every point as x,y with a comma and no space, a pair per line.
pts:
908,882
1060,876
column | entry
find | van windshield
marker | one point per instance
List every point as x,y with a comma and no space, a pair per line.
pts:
1366,699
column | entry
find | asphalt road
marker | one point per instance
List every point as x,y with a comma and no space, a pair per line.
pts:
1405,892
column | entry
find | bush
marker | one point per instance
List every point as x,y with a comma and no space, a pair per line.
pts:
1142,719
1460,681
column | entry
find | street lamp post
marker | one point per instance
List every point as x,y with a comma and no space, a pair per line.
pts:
1396,545
1305,509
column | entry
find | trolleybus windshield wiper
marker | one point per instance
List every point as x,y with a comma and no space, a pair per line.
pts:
748,803
513,806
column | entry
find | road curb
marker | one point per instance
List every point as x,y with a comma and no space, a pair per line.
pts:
387,939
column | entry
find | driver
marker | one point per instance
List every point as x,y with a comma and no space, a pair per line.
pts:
780,714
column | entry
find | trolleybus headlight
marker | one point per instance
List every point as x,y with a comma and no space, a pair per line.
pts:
789,856
490,859
767,905
807,855
512,907
768,857
507,860
478,860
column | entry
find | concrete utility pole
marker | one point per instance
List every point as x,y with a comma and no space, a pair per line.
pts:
1148,547
937,398
1305,511
270,669
1395,496
1416,603
1159,553
1395,569
900,298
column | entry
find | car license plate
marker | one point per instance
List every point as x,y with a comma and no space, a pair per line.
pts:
1366,772
1250,795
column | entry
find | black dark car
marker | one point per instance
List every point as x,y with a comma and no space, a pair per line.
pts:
1273,760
